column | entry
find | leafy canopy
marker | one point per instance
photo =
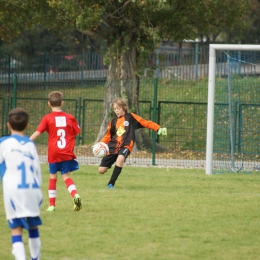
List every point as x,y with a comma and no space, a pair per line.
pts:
124,23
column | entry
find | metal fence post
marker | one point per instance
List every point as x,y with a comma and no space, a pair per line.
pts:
45,69
78,119
6,111
82,68
9,72
155,107
196,58
14,91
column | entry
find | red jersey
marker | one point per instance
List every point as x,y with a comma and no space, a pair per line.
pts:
121,131
62,129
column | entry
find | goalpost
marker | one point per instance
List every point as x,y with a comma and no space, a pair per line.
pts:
233,115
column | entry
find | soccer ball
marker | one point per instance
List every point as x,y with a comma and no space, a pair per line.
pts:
100,150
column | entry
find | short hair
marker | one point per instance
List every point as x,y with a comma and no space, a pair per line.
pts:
55,98
121,103
18,119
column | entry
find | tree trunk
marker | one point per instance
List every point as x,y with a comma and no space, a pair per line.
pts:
122,82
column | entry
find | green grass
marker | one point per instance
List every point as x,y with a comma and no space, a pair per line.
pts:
153,213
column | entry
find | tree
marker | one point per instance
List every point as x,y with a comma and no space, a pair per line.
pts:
251,32
132,29
38,40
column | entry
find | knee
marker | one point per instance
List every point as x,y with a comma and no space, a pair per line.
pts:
101,170
65,176
53,176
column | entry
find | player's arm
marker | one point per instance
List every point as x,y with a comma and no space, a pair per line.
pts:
35,135
37,168
149,124
40,129
107,136
146,123
75,127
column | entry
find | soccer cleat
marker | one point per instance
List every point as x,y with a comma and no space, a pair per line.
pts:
77,202
110,186
51,208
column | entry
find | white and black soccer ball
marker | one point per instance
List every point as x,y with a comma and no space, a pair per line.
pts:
100,150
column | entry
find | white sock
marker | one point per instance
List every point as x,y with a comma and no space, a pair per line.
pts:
35,247
19,251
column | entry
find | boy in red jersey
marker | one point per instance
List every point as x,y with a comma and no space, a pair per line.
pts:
62,129
120,138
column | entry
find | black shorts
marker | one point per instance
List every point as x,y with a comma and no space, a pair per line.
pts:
109,160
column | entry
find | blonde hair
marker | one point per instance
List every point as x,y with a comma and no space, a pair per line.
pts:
121,103
55,98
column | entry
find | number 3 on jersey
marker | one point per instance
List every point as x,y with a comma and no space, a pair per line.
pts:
62,142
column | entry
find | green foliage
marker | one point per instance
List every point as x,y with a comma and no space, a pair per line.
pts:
123,24
39,40
249,32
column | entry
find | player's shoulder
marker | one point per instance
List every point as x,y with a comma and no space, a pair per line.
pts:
4,138
47,116
22,139
133,115
58,114
66,114
19,138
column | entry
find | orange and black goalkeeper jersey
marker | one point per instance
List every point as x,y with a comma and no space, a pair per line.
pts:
121,131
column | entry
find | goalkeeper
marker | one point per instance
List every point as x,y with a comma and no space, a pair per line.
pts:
120,138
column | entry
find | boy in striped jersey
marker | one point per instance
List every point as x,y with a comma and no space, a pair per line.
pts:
21,179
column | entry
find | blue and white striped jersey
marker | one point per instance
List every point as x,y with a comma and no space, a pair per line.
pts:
21,177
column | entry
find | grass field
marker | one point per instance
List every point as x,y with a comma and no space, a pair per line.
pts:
153,213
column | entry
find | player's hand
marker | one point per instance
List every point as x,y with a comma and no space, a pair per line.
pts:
162,131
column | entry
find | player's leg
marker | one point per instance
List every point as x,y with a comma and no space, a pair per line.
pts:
117,170
106,163
18,249
52,186
72,190
68,167
122,155
34,241
69,184
102,169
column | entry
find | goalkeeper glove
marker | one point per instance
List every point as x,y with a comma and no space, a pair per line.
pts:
162,131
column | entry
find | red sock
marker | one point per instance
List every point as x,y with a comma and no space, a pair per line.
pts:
52,191
71,187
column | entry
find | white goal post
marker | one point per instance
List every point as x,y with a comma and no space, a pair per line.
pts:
211,93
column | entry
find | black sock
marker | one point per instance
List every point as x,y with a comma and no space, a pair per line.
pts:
115,174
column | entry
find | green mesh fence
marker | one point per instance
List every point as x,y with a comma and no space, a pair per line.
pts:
181,102
237,112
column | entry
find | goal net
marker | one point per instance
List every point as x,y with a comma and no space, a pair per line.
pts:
233,119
